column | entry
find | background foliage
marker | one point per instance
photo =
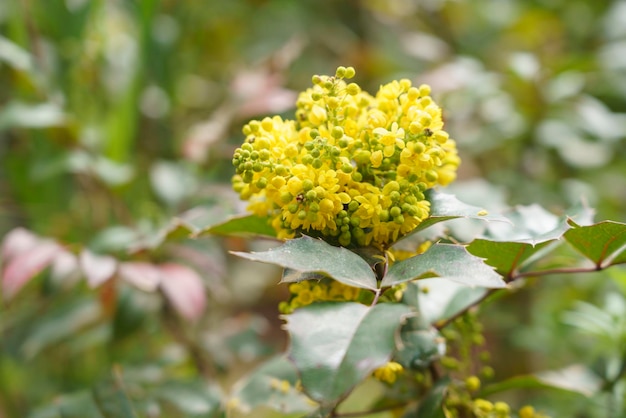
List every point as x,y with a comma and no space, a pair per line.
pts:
117,116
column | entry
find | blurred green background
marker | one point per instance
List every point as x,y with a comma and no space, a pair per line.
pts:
116,116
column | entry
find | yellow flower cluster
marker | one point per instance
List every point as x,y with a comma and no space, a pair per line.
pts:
352,167
308,291
389,372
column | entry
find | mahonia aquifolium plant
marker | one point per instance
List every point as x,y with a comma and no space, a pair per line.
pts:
352,168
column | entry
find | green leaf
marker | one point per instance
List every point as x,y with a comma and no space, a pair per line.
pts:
444,207
419,348
335,346
509,248
446,261
308,255
534,225
505,257
600,242
440,298
248,225
75,405
273,384
432,405
112,400
575,378
195,398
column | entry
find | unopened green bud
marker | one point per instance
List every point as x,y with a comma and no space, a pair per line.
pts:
337,132
353,89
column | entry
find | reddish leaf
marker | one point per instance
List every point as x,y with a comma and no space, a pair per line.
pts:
97,268
184,289
145,276
24,265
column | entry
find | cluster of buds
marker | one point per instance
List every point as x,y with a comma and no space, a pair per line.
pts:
352,168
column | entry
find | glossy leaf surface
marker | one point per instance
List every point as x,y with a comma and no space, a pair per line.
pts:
309,255
446,261
336,345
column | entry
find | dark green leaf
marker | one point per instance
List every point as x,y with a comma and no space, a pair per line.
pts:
112,400
600,242
308,255
273,384
432,404
336,345
446,261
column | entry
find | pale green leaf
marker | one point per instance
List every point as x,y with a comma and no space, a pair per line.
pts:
336,345
273,384
444,207
446,261
309,255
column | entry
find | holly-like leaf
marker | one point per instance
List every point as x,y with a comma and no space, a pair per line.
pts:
506,257
444,207
510,248
308,255
535,225
446,261
273,384
604,241
336,345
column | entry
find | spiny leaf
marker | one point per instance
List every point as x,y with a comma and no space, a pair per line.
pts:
604,241
446,261
336,345
308,255
505,257
509,248
444,207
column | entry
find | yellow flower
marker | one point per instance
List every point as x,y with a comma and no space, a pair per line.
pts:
389,372
328,172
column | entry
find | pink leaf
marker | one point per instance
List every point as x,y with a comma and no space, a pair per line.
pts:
97,268
184,289
65,267
17,241
145,276
24,265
